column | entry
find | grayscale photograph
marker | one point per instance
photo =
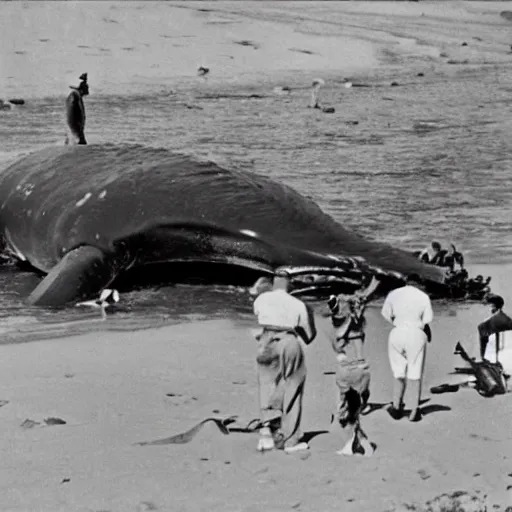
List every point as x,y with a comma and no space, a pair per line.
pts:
255,256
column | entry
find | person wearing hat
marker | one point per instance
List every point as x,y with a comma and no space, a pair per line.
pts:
286,324
410,311
75,112
493,331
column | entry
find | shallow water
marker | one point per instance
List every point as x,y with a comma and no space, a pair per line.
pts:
430,158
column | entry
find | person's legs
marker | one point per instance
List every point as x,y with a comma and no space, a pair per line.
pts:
415,388
290,391
398,363
271,404
415,353
353,381
399,386
344,382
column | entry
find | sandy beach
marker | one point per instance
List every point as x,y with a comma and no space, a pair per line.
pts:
132,46
114,389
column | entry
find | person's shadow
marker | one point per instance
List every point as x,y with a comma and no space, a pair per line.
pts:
308,436
429,409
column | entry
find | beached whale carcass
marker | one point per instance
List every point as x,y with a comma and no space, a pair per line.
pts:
92,215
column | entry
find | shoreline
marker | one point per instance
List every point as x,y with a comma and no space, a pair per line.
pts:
28,330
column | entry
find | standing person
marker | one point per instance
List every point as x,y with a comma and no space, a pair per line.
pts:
453,258
286,324
410,311
352,370
75,112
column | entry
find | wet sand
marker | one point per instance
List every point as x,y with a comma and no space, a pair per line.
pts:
116,389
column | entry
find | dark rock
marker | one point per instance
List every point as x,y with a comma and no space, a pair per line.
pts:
17,101
328,110
455,61
54,421
394,84
507,15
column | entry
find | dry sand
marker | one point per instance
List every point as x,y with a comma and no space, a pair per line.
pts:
112,388
112,391
132,46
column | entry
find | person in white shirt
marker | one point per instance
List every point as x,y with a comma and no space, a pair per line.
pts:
286,324
410,311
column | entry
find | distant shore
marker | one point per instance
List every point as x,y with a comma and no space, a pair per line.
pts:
128,47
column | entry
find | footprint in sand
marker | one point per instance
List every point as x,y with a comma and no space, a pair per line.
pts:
298,50
29,423
144,506
244,42
423,474
179,399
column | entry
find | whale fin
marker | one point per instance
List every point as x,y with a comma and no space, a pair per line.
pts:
82,272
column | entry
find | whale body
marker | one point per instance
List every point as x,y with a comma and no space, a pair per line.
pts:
87,215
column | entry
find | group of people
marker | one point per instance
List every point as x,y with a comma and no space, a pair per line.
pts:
436,255
286,325
457,277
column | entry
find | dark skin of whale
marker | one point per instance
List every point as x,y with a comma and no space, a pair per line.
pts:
85,214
